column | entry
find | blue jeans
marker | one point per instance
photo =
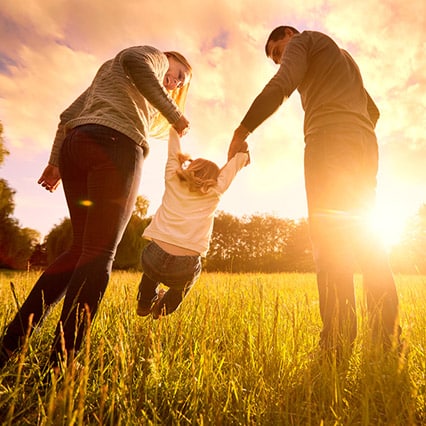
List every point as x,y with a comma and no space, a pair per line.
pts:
340,178
179,273
100,170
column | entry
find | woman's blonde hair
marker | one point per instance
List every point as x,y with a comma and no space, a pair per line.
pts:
160,126
200,174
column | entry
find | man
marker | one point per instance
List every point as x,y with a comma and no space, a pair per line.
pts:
341,161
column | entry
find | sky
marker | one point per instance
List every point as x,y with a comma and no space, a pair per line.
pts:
51,49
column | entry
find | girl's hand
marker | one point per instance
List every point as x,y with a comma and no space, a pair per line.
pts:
181,126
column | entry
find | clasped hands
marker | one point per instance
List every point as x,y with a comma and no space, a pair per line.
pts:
239,143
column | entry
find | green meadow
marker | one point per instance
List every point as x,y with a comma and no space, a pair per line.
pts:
241,350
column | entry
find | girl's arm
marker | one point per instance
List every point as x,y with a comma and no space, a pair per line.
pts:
174,149
230,170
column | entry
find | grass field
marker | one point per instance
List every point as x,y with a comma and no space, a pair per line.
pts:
241,350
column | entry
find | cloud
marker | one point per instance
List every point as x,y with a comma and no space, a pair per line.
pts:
388,39
51,50
37,88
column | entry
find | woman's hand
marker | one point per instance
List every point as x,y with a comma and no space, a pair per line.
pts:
181,126
50,178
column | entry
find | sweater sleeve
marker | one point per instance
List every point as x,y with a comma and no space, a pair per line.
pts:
141,65
265,104
288,77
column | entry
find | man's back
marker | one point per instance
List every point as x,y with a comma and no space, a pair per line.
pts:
331,87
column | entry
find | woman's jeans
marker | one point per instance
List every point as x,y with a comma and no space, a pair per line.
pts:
340,178
179,273
100,170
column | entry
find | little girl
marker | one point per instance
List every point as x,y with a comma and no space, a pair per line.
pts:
181,228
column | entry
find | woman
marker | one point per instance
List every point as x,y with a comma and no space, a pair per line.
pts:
98,152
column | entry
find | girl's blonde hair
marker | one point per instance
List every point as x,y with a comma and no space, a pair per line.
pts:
160,126
200,174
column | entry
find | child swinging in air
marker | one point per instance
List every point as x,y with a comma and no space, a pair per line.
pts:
180,230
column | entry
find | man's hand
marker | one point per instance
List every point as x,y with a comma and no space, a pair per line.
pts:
50,178
238,143
181,126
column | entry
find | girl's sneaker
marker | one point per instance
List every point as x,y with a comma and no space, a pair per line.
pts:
158,308
143,310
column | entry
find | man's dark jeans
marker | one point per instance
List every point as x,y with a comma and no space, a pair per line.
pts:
100,170
340,178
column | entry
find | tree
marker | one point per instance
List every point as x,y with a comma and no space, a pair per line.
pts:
141,207
259,243
58,240
16,243
38,259
266,240
298,251
3,151
130,248
225,245
7,206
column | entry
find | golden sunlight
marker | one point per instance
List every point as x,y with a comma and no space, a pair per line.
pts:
389,222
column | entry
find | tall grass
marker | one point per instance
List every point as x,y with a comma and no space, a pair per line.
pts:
241,350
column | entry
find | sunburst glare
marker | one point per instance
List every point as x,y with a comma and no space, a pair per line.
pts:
389,222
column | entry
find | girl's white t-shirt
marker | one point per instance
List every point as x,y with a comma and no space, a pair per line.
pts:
185,218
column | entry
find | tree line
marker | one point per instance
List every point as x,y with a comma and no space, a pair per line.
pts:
249,244
256,243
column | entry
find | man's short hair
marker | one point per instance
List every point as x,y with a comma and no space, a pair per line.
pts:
278,34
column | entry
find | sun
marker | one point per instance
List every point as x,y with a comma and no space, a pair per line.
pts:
389,222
